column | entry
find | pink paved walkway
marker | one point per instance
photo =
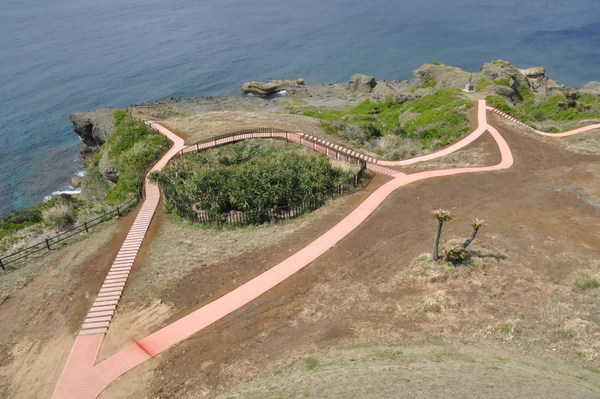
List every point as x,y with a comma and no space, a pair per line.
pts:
83,379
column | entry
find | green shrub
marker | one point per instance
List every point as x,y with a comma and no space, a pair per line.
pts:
132,148
502,81
217,182
498,102
586,282
93,185
19,219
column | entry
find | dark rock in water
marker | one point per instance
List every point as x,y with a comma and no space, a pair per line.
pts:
361,83
270,87
93,128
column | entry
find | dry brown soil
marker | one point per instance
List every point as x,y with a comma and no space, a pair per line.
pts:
544,226
542,229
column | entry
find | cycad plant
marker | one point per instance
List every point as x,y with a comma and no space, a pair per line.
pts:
476,224
442,216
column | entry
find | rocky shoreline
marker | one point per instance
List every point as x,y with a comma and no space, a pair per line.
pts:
497,78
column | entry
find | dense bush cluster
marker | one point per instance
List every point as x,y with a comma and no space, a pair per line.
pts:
242,178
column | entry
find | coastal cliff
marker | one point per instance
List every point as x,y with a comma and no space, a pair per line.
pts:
93,128
501,83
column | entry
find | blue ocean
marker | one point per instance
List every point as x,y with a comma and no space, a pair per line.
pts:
64,56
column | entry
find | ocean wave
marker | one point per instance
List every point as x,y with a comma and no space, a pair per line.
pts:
71,191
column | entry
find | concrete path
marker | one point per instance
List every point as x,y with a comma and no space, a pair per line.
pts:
83,379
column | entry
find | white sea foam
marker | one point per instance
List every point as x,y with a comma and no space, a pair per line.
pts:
70,191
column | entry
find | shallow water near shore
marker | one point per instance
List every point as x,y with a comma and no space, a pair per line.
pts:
60,56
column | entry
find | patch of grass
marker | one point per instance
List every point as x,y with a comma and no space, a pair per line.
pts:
585,282
19,219
558,108
311,363
498,102
482,84
433,121
507,328
131,149
437,302
502,81
427,85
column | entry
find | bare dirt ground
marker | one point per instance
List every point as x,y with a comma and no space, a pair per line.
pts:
543,230
539,236
41,319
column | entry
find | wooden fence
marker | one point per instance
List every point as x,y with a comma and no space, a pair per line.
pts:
258,216
47,244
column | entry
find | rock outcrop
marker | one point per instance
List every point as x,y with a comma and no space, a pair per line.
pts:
271,86
592,87
442,75
537,77
361,83
93,128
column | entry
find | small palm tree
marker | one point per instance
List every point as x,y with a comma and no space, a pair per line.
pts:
442,216
476,224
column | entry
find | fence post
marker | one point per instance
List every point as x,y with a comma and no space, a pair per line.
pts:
48,244
2,264
118,212
86,227
197,148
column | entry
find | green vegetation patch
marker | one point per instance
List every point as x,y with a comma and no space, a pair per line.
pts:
585,282
482,84
17,220
433,121
557,108
245,176
427,85
130,151
502,81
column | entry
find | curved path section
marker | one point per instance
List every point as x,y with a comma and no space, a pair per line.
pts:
83,379
541,133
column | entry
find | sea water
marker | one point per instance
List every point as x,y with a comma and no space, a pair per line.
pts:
64,56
